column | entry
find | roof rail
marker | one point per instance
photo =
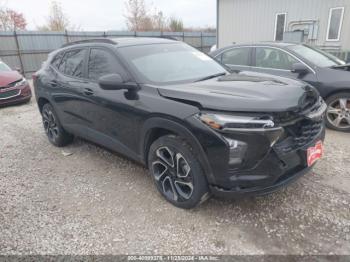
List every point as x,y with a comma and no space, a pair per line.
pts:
96,40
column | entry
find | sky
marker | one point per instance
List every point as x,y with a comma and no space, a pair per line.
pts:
109,14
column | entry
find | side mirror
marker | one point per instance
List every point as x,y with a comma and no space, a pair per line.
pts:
300,69
115,82
229,69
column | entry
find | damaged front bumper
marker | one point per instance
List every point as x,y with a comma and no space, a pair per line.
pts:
280,167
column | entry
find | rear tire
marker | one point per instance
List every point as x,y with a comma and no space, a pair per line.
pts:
53,128
177,172
338,112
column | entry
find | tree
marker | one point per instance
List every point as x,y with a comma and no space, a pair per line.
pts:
57,20
207,29
176,25
136,16
159,21
139,18
10,20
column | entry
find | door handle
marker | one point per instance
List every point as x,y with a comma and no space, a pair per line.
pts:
88,91
53,83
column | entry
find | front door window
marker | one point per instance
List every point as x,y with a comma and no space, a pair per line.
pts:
273,59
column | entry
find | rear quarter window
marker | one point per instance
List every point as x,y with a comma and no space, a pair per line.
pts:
72,63
55,62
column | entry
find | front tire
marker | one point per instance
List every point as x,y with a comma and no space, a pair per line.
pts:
338,112
177,172
53,128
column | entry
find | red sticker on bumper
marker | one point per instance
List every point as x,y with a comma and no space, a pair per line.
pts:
314,153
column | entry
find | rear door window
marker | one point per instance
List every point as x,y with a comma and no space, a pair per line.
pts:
273,58
73,63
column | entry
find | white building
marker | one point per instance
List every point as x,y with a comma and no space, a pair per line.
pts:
325,23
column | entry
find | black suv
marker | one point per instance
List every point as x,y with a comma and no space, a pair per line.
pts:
199,129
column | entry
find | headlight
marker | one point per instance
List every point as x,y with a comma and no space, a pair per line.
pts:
230,122
21,83
262,125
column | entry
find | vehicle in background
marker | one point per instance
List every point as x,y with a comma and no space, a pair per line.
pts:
199,130
14,88
328,74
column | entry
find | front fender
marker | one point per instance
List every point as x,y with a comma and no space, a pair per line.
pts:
176,127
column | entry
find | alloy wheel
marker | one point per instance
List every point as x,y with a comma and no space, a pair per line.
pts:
50,125
338,113
172,174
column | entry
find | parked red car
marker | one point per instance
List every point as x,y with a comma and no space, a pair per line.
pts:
14,88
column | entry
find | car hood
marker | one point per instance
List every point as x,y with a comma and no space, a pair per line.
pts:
9,77
345,67
334,78
245,92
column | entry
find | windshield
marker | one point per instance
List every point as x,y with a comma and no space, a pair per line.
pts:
316,56
4,67
170,63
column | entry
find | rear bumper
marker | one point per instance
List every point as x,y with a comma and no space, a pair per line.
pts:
13,96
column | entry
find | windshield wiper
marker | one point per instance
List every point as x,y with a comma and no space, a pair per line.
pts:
340,66
211,76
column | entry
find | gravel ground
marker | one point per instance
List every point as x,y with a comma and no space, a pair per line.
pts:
85,200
